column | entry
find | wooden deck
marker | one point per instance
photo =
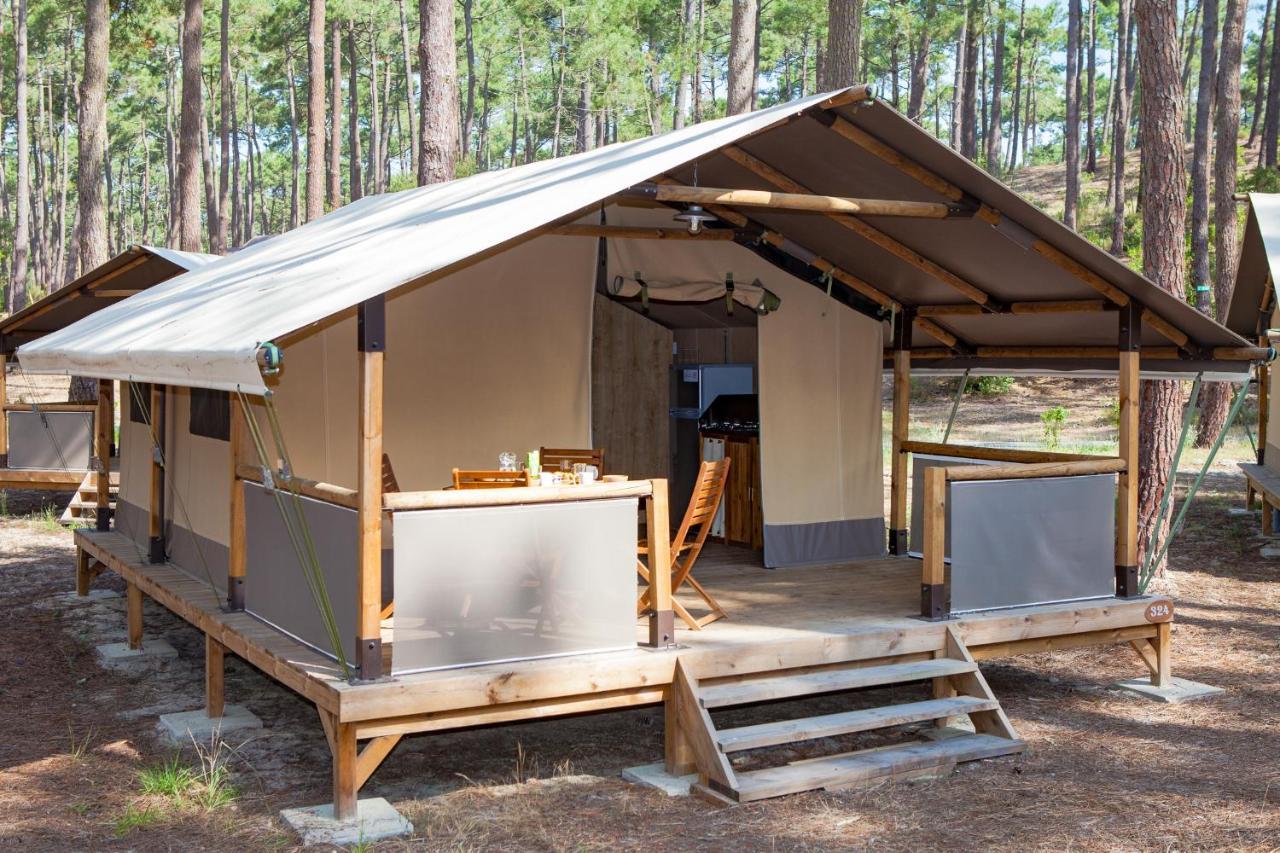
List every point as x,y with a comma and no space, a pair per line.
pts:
776,619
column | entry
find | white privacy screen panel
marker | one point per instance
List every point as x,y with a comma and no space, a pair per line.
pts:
1034,541
275,588
50,441
490,584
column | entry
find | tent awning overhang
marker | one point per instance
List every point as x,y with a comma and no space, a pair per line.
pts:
994,274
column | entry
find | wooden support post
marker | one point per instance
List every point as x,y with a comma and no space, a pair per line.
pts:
133,607
677,753
1162,675
156,520
236,541
934,600
4,401
84,575
214,670
662,628
372,349
345,770
898,467
1130,396
104,423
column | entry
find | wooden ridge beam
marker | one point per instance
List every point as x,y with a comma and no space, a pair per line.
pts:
870,233
804,201
628,232
988,214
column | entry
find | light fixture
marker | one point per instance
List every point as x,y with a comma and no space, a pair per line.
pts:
694,216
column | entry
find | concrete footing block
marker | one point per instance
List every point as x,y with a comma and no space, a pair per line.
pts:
1178,690
187,727
375,819
656,776
120,656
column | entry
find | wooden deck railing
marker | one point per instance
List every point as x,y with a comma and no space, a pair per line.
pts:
934,600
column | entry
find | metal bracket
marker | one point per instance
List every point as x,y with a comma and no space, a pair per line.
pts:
1127,582
235,593
934,605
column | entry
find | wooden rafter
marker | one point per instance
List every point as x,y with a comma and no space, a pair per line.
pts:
809,202
992,216
845,277
628,232
862,229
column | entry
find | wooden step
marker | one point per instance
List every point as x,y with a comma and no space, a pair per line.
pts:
841,770
848,722
827,681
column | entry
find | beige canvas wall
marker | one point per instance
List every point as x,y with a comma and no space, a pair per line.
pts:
630,391
135,471
820,378
200,478
495,357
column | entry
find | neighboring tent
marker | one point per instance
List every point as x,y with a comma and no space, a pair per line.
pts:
205,328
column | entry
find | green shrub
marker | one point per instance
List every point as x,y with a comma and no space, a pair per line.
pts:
990,386
1053,420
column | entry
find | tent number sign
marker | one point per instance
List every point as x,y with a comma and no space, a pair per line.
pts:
1159,611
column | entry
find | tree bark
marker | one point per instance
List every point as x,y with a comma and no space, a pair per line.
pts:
335,115
1201,151
1215,403
681,109
218,228
997,92
1017,85
409,94
920,63
1071,133
586,137
192,104
315,110
1163,235
295,156
92,240
17,295
1091,92
844,44
1271,124
355,190
969,88
1260,75
438,65
1120,129
742,60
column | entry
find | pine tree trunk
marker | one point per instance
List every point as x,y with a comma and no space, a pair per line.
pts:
315,110
375,131
1214,404
295,156
1260,75
192,112
1017,86
1271,123
586,136
997,91
742,60
682,81
1201,152
409,94
844,44
920,64
335,115
438,65
92,243
1091,96
957,86
1071,133
1163,236
17,295
218,228
1120,130
969,88
355,180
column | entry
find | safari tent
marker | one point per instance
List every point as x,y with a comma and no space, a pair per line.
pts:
50,445
295,413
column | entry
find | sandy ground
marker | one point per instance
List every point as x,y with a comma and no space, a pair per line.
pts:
1105,770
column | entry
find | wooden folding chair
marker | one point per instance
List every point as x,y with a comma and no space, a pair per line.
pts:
551,457
687,545
490,479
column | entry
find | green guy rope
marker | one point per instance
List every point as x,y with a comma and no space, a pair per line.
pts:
951,419
1166,498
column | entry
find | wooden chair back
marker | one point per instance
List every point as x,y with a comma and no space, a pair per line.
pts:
551,457
701,512
389,482
490,479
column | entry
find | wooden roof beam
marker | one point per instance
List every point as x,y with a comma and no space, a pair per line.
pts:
862,229
628,232
807,202
937,183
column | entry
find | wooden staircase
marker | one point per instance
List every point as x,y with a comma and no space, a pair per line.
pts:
959,686
84,503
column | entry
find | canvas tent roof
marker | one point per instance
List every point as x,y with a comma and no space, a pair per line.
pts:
1259,264
133,270
204,328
